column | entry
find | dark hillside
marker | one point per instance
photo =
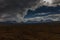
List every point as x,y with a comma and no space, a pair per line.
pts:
46,31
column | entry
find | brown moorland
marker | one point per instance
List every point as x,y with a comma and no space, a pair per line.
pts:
46,31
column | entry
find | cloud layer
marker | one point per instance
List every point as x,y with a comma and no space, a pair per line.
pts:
17,9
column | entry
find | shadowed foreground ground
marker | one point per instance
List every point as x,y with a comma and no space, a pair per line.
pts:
47,31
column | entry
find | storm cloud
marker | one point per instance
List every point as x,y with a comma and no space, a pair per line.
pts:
14,7
18,7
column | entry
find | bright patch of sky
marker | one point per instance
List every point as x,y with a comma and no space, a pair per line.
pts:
49,1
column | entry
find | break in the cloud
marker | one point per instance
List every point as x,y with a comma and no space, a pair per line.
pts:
52,17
